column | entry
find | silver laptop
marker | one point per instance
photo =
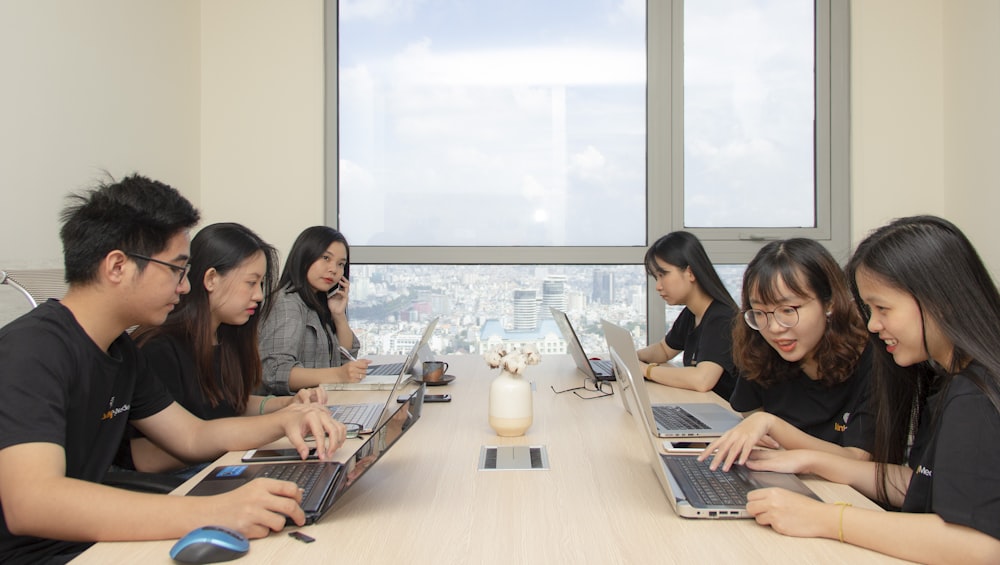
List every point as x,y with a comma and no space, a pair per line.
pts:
597,369
693,419
370,414
693,489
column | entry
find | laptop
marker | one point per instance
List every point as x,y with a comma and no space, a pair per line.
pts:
597,369
323,482
382,376
369,414
693,489
693,419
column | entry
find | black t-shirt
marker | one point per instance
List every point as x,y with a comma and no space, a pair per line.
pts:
174,365
173,362
59,387
839,414
958,477
711,340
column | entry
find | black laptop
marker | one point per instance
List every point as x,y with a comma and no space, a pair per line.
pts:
323,482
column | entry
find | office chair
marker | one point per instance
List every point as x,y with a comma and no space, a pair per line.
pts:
38,285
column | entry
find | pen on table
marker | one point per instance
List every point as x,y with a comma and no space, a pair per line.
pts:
346,353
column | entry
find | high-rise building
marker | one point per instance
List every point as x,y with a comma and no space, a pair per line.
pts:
604,287
553,295
525,310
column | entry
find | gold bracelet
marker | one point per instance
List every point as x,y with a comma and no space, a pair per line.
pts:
649,368
843,506
263,402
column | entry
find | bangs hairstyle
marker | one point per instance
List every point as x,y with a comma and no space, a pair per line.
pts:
311,244
222,247
134,215
807,269
683,250
932,260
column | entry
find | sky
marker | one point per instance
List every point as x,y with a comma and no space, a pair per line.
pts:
512,122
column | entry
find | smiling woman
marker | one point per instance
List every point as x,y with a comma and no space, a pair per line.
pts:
802,356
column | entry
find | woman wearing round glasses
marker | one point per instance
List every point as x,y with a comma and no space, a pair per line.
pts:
801,352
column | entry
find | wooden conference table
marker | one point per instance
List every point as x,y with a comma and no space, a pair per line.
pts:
426,501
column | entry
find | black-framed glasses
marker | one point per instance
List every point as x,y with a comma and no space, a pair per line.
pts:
353,430
786,316
601,388
181,271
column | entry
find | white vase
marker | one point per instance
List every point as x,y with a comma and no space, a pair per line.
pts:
510,405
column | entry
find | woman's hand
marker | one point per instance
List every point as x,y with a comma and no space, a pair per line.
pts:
793,514
310,396
337,301
352,371
736,445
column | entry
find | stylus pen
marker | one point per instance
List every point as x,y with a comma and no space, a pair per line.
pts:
346,353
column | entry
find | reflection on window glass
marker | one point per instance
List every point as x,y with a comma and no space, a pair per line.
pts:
749,110
482,305
464,122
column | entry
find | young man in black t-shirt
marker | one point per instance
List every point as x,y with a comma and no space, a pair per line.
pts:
72,379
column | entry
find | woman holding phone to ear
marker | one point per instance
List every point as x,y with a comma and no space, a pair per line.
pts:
934,312
302,336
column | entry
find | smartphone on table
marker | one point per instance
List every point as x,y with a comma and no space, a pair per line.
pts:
427,398
256,455
688,447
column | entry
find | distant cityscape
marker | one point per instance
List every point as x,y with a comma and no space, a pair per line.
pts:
481,306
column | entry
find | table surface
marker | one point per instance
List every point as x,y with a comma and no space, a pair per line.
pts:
426,501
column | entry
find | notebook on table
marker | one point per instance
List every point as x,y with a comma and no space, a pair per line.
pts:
368,414
382,376
692,419
323,482
597,369
693,489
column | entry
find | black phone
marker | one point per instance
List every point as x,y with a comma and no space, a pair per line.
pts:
254,455
685,446
427,398
333,290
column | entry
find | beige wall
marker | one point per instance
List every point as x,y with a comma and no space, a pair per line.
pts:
924,115
262,115
87,87
223,99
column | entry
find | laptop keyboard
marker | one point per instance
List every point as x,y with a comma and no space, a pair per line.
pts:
303,474
602,366
676,418
717,488
385,369
364,414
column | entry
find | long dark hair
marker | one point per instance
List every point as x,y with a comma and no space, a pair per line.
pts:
806,267
930,259
683,250
311,244
223,247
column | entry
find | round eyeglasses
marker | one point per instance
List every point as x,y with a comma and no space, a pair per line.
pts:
786,316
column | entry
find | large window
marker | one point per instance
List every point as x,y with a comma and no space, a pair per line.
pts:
568,135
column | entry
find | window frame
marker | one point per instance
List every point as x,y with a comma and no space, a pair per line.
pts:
664,176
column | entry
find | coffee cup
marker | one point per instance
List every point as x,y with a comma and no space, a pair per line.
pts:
434,371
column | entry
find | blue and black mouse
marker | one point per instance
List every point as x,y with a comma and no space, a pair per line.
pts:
210,544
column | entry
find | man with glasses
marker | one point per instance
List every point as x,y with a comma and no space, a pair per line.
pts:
73,379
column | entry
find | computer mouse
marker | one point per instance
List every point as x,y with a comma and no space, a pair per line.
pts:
210,544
